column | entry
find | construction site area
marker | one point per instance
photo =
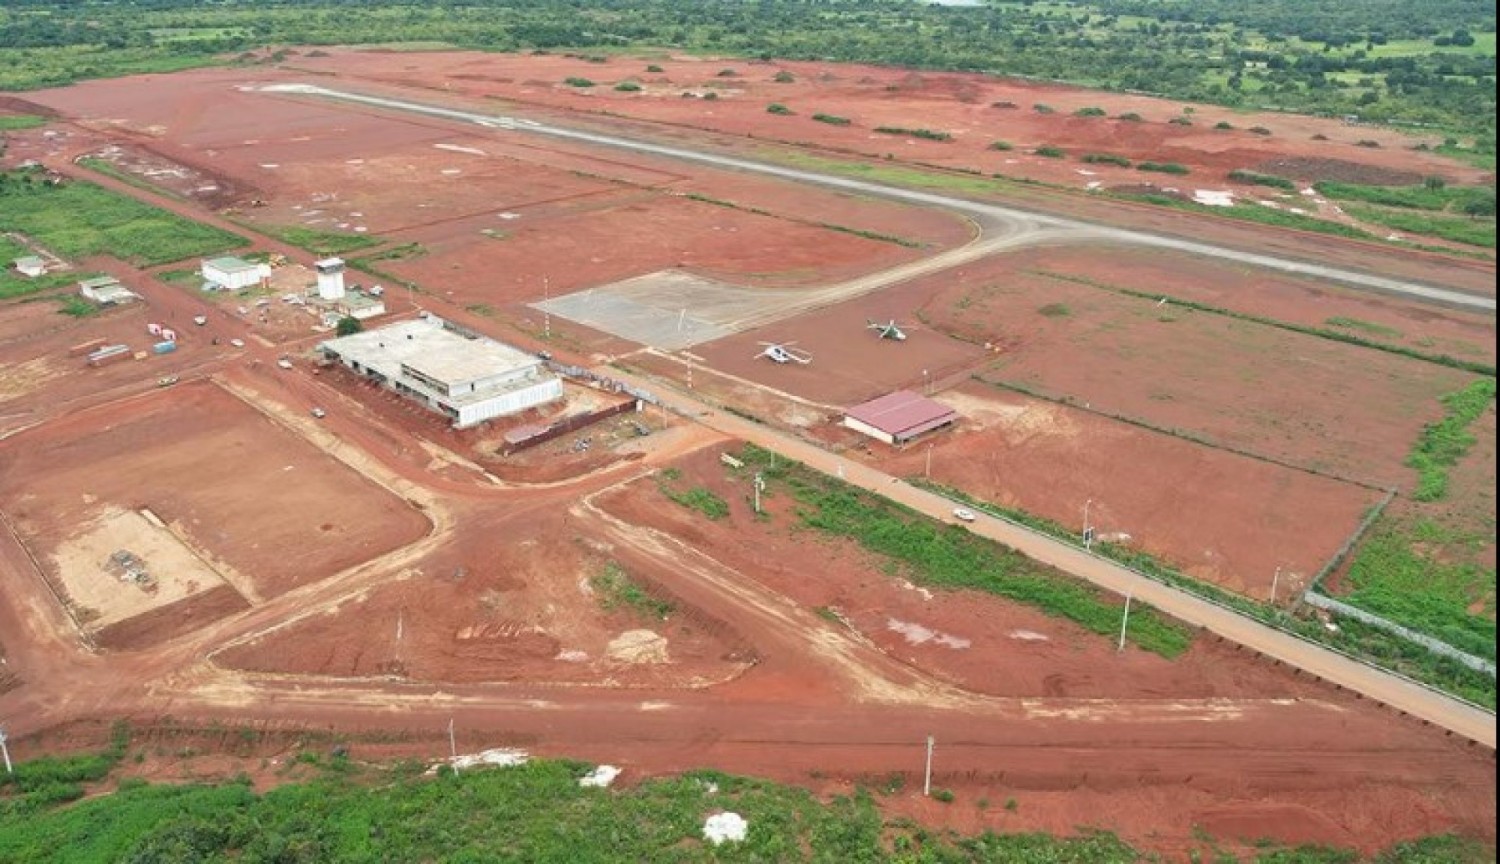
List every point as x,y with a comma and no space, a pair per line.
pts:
665,437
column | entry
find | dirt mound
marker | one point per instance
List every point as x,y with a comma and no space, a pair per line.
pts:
1315,170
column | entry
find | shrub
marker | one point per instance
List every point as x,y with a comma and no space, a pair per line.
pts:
1320,137
1055,310
943,795
1002,145
349,325
1368,142
1224,124
1107,159
1050,152
1131,116
915,133
1090,112
1043,109
832,119
1005,104
1259,130
778,108
1180,121
628,87
727,73
1239,175
654,68
1163,167
784,77
578,82
710,96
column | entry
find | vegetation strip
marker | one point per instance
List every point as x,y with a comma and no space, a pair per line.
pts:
1445,442
947,556
1320,332
1356,640
337,809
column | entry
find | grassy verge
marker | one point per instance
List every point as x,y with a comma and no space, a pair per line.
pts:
1445,442
615,590
319,242
946,556
15,122
49,781
78,219
1435,198
1459,229
1255,213
1338,335
1399,573
1358,640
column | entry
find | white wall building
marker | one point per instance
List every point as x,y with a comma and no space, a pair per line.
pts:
469,378
234,274
330,278
106,291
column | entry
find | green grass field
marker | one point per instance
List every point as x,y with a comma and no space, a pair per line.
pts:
21,121
77,220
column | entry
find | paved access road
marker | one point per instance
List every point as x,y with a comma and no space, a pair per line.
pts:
971,208
1418,701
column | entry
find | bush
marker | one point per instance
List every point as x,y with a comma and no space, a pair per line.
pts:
915,133
832,119
628,87
1239,175
778,108
1050,152
1043,109
1002,145
1130,116
784,77
1106,159
655,69
1089,112
578,82
727,73
1055,310
1163,167
1180,121
349,325
1368,142
1259,130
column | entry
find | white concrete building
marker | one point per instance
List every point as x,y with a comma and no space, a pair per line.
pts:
31,266
106,291
469,378
330,278
234,274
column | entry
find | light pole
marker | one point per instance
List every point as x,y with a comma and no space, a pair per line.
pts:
760,483
927,774
927,472
926,383
1124,622
1088,531
546,313
1274,579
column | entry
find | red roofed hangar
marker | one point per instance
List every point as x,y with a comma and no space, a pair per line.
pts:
897,418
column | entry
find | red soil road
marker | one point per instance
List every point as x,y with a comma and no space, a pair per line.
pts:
1305,302
1246,519
285,515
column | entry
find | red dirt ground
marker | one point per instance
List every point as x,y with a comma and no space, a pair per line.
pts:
1240,384
493,608
1307,302
1247,517
286,515
872,96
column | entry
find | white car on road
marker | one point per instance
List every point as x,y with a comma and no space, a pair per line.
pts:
963,515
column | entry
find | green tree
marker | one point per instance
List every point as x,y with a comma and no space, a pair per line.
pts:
349,325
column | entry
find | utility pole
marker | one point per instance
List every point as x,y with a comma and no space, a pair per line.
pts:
1124,622
760,484
546,313
926,383
927,472
452,745
927,774
1274,579
1088,530
5,751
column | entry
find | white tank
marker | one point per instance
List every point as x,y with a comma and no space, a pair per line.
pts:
330,278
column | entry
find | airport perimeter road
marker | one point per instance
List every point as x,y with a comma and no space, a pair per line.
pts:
1457,717
973,208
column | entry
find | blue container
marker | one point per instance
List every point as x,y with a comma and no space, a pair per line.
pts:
164,347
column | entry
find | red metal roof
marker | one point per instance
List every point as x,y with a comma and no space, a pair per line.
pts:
898,413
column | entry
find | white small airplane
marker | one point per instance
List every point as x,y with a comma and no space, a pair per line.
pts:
783,352
888,330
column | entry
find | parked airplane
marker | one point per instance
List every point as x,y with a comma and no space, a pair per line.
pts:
888,330
782,352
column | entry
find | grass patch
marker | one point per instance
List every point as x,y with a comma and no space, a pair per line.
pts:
1240,175
1399,574
1163,167
77,219
16,122
1002,146
1364,326
40,784
616,590
321,242
1253,213
832,119
628,87
1106,159
928,134
404,252
1458,229
1055,310
1050,152
578,82
75,306
778,108
699,498
947,556
1445,442
109,169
